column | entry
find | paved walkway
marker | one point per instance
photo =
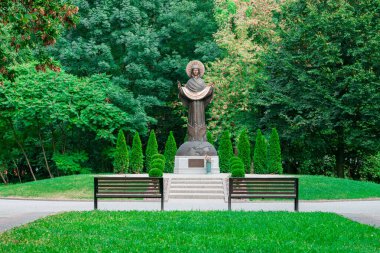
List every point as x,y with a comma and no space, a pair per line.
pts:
17,212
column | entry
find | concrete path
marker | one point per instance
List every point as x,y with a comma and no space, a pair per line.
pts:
17,212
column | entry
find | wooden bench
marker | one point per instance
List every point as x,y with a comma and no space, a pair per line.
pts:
128,187
261,188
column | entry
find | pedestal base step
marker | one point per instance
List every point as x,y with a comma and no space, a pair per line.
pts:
196,188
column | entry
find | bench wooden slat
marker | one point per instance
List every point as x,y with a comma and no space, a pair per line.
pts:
127,187
246,188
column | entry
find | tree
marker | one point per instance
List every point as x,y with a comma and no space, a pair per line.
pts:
169,153
260,154
323,82
274,153
31,25
151,149
244,150
63,114
245,30
137,158
225,151
145,45
121,160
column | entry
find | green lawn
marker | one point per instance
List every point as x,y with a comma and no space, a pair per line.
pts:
81,187
100,231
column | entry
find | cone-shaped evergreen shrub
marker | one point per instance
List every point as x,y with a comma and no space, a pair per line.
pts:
121,159
170,151
244,150
225,151
260,154
210,138
151,149
137,158
274,153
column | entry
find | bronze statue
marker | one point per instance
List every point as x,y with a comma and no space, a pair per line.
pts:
196,95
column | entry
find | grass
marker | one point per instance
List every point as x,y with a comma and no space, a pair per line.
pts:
81,187
100,231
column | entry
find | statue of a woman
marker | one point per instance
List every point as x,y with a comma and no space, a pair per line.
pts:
196,95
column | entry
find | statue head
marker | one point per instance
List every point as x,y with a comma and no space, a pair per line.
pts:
195,69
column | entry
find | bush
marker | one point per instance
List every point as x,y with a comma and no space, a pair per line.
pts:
137,158
158,163
70,163
121,157
225,151
238,173
170,151
237,166
158,157
235,160
244,150
371,169
151,149
155,172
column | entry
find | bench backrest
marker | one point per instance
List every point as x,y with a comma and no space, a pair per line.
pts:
280,187
124,187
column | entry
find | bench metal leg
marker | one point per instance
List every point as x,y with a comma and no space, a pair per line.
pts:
95,203
162,203
296,204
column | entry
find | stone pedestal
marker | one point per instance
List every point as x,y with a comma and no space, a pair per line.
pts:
181,165
190,158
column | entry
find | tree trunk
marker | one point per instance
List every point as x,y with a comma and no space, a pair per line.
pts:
43,150
22,150
18,171
2,177
339,156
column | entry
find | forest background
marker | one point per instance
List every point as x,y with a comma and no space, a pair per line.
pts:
74,73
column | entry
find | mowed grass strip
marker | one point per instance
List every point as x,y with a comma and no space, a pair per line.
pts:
81,187
100,231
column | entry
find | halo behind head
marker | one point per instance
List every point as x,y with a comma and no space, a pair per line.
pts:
195,64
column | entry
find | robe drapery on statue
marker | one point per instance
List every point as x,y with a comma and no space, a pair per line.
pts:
196,96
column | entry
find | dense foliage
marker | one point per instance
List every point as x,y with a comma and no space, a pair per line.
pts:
47,113
31,25
145,46
309,69
322,90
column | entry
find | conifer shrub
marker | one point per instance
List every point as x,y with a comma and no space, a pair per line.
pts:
274,153
121,158
210,138
260,154
225,151
170,151
237,166
235,160
137,158
244,150
155,172
158,163
158,156
238,173
151,149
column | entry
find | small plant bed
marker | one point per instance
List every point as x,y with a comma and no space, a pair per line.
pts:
192,232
